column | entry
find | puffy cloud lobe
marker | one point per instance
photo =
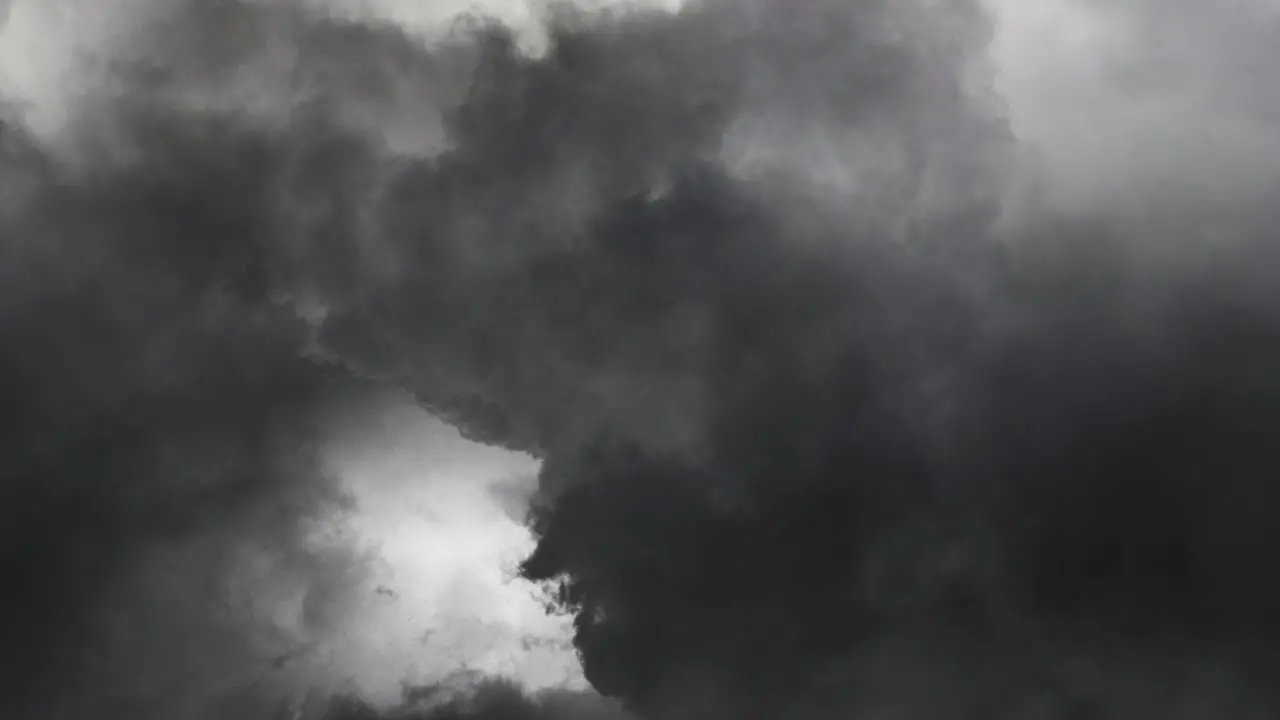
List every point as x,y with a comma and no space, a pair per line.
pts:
552,158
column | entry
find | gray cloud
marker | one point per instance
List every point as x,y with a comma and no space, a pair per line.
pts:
818,435
1139,104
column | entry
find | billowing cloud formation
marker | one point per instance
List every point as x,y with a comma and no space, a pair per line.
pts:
821,435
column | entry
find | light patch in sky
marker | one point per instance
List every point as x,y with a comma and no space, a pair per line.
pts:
436,510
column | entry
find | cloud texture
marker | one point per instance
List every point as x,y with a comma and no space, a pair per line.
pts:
838,414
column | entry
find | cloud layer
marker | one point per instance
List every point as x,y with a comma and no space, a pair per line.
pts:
837,414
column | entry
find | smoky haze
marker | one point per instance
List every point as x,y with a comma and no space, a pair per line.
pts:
861,386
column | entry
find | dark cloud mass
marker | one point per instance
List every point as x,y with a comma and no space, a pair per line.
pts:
821,435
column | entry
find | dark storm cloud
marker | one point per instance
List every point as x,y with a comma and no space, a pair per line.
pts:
738,388
156,400
783,439
552,168
817,440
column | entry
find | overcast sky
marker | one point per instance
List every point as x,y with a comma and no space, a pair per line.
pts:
442,513
425,494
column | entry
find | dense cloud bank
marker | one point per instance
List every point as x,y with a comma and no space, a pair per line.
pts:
830,424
